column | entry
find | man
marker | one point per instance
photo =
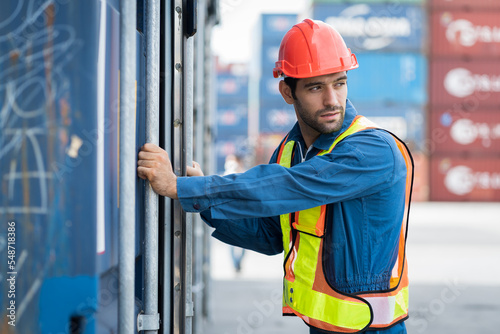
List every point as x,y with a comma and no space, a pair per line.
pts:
335,196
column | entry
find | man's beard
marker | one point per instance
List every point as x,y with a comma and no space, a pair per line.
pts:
312,120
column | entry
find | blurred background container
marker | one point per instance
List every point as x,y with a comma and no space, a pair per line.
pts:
464,4
231,121
456,178
464,105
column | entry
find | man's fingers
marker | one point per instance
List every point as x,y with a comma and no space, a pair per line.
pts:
148,163
195,170
149,147
190,171
154,165
142,172
143,155
153,152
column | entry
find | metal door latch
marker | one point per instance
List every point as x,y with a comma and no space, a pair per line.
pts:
148,322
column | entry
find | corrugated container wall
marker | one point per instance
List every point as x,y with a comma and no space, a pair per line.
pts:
464,128
59,135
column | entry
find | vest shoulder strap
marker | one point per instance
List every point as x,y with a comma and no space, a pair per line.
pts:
359,123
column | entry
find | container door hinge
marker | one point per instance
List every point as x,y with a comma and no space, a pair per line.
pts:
148,322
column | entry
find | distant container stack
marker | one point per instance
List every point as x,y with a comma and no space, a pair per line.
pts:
270,116
464,129
390,85
231,121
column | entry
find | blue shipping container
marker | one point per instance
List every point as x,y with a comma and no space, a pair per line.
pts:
230,86
389,78
269,56
408,122
274,26
59,162
376,27
276,117
269,88
232,119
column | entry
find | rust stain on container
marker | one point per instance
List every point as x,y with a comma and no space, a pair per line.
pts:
50,103
14,56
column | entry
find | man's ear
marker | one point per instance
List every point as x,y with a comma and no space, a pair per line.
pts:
286,92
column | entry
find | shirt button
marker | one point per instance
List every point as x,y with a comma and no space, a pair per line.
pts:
196,206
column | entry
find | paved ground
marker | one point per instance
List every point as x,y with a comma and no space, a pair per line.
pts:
454,258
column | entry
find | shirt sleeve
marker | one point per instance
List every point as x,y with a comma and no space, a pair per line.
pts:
360,165
262,235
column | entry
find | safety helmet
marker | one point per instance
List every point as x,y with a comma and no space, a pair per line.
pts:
312,48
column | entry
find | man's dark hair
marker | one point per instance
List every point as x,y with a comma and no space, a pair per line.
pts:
292,83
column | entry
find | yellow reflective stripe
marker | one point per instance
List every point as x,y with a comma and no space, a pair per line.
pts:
320,306
363,122
286,155
307,259
358,125
285,230
402,299
308,220
286,161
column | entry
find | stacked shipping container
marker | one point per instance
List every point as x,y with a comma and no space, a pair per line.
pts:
231,128
465,100
390,85
271,118
275,116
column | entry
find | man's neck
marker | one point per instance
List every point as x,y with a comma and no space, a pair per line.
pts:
308,134
309,139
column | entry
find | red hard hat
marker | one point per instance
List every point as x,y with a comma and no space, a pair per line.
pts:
312,48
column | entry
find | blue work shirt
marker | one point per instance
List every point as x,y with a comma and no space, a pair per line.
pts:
362,181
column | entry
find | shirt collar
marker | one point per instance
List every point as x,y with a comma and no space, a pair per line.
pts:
324,141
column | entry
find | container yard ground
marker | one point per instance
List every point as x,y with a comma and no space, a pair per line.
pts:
453,253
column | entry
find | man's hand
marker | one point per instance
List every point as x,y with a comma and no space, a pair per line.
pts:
195,170
154,164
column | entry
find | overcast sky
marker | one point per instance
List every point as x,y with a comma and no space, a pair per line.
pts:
231,38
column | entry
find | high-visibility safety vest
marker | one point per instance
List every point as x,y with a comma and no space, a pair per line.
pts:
306,291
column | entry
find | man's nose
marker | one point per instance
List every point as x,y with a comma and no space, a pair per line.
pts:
330,97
